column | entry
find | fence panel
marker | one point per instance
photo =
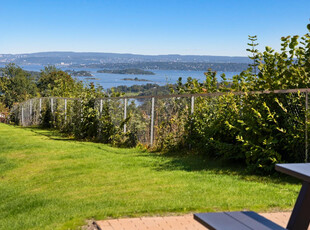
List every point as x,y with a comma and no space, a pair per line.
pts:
139,111
171,115
155,119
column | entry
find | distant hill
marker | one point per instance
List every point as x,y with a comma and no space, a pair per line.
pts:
129,61
69,58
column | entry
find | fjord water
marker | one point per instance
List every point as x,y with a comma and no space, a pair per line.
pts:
161,77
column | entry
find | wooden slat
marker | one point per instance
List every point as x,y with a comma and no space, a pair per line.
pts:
235,221
254,220
219,221
298,170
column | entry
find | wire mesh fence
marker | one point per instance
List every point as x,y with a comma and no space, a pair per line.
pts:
158,119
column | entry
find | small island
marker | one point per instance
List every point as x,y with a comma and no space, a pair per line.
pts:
81,73
92,78
135,79
127,71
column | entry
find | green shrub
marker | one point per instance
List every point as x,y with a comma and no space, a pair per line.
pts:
261,129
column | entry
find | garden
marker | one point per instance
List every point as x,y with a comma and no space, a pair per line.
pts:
72,152
53,182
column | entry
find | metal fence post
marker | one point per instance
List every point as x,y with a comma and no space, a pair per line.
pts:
40,105
125,114
30,111
65,109
306,129
52,105
192,112
100,121
192,104
100,110
81,111
22,115
152,122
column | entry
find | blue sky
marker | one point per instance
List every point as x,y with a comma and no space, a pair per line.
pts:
202,27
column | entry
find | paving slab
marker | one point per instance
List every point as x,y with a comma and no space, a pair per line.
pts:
185,222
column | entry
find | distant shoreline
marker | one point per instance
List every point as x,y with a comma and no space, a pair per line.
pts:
127,71
135,79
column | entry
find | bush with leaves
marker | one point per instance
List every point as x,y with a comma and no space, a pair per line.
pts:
170,119
110,133
271,127
206,130
46,119
259,130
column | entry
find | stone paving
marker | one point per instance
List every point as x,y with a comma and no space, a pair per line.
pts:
185,222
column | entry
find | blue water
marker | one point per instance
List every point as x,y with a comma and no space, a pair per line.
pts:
161,77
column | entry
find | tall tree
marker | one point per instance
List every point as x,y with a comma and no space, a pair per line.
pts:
55,82
16,85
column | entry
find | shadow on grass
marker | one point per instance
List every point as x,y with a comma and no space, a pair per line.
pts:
183,161
52,134
194,162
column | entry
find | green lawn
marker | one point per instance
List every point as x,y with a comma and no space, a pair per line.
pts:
49,182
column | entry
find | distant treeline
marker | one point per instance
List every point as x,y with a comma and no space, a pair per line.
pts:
81,73
126,71
143,90
224,67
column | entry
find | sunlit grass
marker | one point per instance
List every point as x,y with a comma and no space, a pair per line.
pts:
50,182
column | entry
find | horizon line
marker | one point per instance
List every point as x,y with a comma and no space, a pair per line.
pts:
202,55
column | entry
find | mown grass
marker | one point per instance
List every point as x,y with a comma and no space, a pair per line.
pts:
50,182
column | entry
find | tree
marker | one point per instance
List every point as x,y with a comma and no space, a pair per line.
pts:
254,52
55,82
16,85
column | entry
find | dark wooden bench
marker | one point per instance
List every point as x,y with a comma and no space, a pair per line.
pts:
299,220
235,221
